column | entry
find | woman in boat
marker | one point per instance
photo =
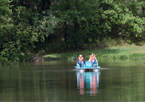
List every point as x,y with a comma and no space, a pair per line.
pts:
93,59
81,61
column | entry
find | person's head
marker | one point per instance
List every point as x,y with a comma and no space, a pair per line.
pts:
92,54
80,55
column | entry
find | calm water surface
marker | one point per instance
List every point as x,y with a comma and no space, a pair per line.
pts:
118,80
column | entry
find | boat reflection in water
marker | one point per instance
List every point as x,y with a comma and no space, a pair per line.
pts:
88,82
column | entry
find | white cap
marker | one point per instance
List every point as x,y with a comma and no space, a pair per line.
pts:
80,55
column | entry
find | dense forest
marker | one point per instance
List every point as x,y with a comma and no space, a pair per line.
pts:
31,26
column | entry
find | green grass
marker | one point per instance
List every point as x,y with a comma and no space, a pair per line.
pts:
117,52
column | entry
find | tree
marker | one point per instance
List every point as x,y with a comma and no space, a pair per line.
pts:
78,18
6,27
120,19
21,30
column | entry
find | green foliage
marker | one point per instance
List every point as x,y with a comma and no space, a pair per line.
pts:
137,56
6,27
47,24
63,25
4,61
79,19
123,57
86,21
121,21
21,30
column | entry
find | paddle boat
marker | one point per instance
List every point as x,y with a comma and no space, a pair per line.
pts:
87,65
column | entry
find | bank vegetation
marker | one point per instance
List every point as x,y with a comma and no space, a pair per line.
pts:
54,26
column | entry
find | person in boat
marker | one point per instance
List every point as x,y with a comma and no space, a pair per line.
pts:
81,61
93,59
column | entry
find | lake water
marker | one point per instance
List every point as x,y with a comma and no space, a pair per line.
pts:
54,81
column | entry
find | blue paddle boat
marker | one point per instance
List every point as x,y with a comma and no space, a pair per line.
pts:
87,65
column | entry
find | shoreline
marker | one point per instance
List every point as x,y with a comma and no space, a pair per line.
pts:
118,52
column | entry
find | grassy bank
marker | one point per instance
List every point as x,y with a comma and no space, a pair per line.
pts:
117,52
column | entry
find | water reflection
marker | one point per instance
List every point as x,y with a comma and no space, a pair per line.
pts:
88,82
38,63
